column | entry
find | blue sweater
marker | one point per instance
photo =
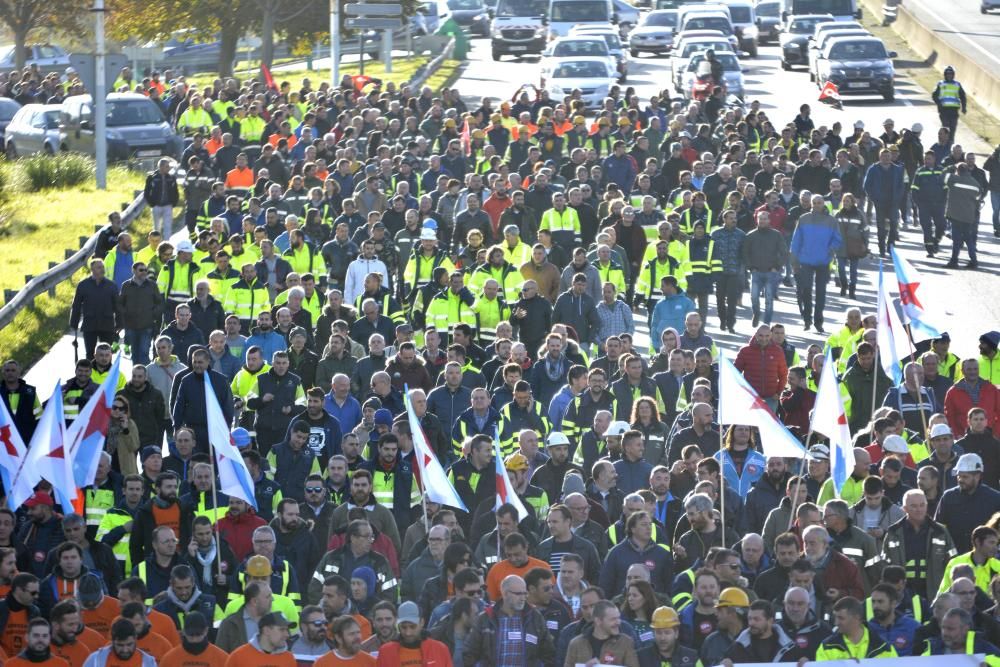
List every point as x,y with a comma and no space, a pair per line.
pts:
669,311
816,239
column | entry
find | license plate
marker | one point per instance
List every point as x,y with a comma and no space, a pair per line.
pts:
857,84
151,153
519,48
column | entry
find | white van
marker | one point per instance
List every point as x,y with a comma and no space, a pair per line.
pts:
518,28
564,14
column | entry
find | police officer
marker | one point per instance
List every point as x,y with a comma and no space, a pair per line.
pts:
949,96
962,210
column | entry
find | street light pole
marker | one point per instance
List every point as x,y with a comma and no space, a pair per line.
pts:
334,43
100,99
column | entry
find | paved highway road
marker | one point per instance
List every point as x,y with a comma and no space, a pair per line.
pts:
967,299
962,25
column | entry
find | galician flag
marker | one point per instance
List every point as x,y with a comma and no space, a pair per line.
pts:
893,345
86,435
47,451
19,478
234,477
505,489
830,419
436,486
922,324
740,404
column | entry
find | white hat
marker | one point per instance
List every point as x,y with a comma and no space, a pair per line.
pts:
617,428
969,463
859,124
819,453
556,438
895,444
939,430
917,128
428,235
185,246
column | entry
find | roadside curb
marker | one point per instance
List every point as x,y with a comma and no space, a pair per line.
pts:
428,70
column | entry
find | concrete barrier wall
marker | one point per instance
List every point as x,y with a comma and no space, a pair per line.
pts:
979,82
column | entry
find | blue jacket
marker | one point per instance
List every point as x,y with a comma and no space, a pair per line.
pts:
632,476
814,242
269,343
669,311
448,405
885,186
558,405
227,364
349,415
899,635
753,469
620,171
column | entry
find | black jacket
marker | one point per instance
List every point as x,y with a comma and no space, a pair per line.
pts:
161,189
95,303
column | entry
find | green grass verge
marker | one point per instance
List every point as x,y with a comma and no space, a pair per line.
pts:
446,75
36,228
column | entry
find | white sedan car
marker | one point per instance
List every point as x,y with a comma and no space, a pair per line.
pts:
593,77
573,49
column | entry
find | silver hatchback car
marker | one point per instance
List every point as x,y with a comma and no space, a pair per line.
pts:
33,129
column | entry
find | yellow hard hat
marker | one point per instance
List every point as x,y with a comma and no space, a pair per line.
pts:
478,134
449,122
496,118
259,566
603,122
623,121
579,120
516,462
664,617
733,597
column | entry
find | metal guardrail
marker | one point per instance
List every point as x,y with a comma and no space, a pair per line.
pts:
432,65
47,282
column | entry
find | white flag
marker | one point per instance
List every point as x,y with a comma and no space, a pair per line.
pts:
740,404
830,419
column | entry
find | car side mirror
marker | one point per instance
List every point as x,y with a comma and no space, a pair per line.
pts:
614,18
893,54
491,12
85,125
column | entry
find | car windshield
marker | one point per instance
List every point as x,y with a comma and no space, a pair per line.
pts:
835,7
612,41
511,8
857,51
584,70
660,19
728,61
740,14
580,47
465,4
804,26
704,46
837,34
7,109
709,23
133,112
768,9
52,119
587,10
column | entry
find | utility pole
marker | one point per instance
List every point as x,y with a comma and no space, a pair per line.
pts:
100,99
334,43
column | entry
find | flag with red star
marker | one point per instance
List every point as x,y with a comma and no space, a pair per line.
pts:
18,478
830,419
432,478
47,451
740,404
923,324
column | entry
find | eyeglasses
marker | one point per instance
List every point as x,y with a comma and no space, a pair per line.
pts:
314,489
117,407
318,623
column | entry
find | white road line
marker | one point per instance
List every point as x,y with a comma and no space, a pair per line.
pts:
958,33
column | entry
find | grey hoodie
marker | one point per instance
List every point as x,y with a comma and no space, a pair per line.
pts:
99,658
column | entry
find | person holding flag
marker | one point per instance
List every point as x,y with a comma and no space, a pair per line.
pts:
18,479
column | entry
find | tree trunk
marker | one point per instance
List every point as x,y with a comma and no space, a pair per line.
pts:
229,39
267,34
20,49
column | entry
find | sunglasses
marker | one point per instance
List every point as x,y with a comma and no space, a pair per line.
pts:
314,489
119,408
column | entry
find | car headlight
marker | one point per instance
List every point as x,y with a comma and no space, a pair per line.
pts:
539,31
113,135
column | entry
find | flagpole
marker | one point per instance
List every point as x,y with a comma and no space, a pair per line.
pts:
798,484
875,368
215,505
722,489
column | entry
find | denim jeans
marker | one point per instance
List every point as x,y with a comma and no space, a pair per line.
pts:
140,341
842,265
766,282
995,203
812,311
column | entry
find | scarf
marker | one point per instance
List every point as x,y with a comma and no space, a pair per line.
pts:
184,606
194,648
206,560
556,370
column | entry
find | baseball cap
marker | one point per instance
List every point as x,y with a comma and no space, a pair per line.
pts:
185,246
259,566
89,590
516,462
275,618
819,453
617,428
404,328
39,498
628,210
969,463
240,437
427,235
896,445
297,331
940,429
408,612
194,624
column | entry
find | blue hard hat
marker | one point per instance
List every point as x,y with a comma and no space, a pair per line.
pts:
240,437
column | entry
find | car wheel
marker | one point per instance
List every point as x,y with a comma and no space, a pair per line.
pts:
10,151
753,51
812,76
785,66
496,55
890,95
634,53
983,10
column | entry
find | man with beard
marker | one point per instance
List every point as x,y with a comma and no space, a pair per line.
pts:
163,509
895,629
346,634
550,475
195,648
486,643
763,640
295,542
38,649
699,620
210,560
603,640
39,535
412,649
122,651
268,647
361,496
312,641
839,574
580,412
765,495
705,531
66,625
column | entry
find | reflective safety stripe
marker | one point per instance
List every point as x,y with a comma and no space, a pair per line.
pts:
948,94
852,552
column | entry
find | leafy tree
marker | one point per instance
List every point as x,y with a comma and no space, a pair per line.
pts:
24,16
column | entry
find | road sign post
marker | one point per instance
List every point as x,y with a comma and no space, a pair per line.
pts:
382,16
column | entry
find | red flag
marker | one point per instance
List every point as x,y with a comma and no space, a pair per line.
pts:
830,94
268,79
466,138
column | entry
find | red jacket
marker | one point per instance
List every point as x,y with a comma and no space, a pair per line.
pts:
764,368
778,215
958,402
794,408
841,573
238,532
432,652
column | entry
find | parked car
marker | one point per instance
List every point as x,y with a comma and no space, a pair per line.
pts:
46,56
768,20
615,46
471,15
858,66
654,34
136,128
744,20
34,129
8,108
794,38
